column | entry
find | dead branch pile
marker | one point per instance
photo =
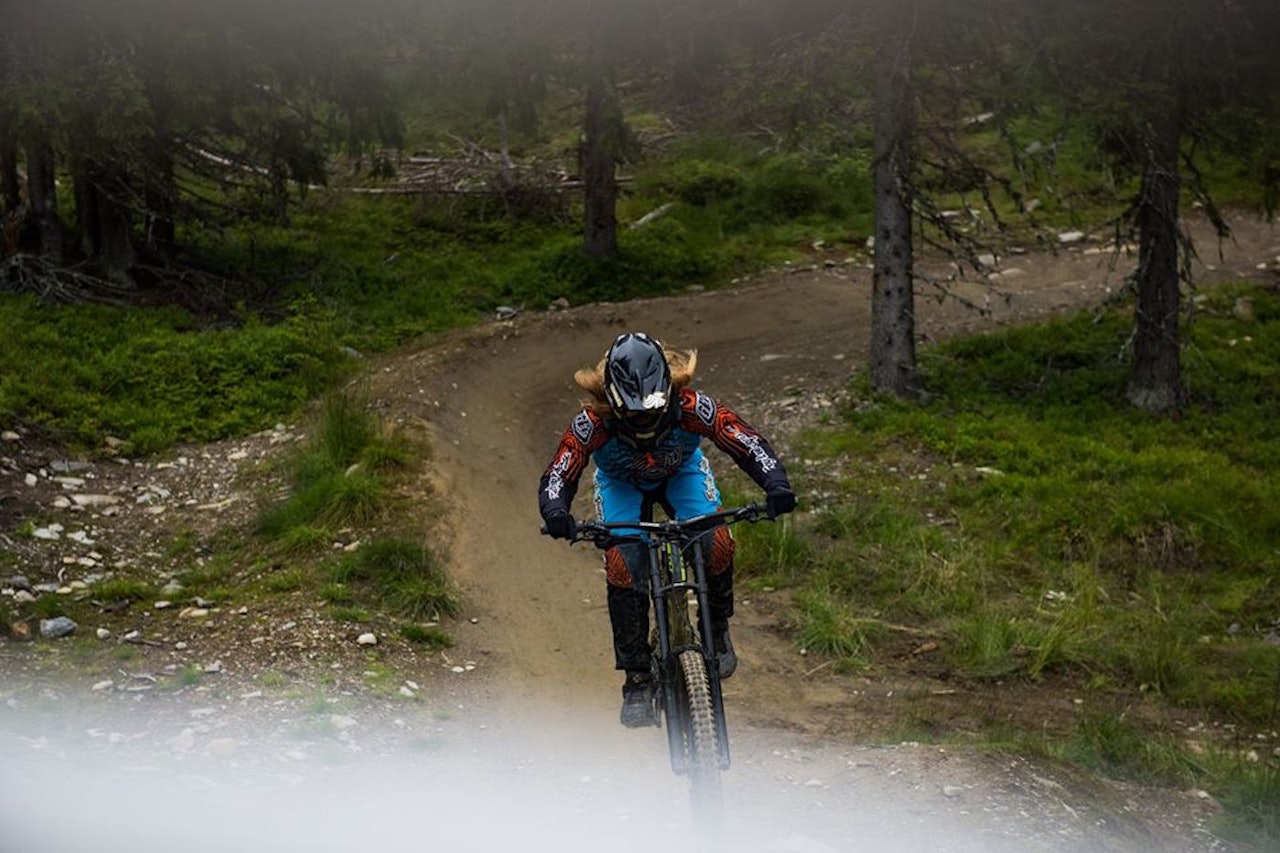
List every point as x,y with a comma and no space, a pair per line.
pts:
472,171
27,273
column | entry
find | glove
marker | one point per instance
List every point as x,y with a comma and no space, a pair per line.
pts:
560,524
780,502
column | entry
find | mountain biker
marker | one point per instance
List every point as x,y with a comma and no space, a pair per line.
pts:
642,425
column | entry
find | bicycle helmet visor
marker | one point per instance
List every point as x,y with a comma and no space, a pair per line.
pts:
637,383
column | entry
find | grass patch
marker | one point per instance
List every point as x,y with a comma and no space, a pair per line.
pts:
1039,528
190,675
272,679
767,553
48,607
349,613
1110,743
401,575
430,636
155,377
1250,794
830,627
1029,516
340,477
289,580
123,589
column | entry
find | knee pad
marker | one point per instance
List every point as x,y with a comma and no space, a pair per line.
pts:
624,565
720,558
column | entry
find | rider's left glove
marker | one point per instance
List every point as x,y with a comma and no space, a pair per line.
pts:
560,524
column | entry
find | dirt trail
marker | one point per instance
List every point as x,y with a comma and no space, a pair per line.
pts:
499,396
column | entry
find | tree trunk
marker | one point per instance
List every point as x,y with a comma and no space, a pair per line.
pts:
10,188
106,229
43,195
1155,384
599,161
893,348
11,214
160,195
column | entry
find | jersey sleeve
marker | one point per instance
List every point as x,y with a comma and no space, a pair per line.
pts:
559,481
703,415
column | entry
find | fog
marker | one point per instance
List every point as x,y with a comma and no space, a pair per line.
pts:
153,778
93,784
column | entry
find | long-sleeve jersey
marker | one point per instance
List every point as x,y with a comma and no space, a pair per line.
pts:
590,436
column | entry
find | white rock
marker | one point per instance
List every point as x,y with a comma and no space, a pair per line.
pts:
103,633
1070,236
9,435
369,639
95,500
104,685
31,479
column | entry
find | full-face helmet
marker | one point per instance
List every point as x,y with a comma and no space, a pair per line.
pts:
637,383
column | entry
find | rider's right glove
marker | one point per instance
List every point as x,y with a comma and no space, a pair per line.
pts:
560,524
780,502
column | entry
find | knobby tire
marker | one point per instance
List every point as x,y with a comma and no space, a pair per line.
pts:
701,745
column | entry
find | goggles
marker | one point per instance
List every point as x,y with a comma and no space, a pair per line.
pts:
644,424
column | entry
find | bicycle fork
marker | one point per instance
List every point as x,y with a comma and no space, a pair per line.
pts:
669,588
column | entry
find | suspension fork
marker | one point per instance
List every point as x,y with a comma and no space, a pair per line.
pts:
664,561
703,590
659,583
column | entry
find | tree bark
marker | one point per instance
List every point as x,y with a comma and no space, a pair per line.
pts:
10,188
106,228
43,195
1155,383
160,197
599,163
893,349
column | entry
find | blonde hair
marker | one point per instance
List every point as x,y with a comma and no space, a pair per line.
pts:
681,362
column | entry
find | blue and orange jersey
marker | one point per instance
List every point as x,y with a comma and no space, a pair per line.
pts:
591,437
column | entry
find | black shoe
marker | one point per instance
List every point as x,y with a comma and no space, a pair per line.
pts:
637,701
725,655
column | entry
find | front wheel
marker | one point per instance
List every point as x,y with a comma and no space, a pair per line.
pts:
701,749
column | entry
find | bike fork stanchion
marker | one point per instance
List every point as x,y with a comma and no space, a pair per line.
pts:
667,667
709,652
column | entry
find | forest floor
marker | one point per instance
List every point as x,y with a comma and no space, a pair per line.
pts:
274,696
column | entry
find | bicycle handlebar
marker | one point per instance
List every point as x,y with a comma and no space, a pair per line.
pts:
605,534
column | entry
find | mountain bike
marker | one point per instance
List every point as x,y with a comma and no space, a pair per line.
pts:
686,670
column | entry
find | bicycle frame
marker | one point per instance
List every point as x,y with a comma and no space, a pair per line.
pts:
677,571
